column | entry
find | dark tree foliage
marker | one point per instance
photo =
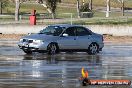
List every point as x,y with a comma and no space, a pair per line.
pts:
52,4
3,4
85,11
85,8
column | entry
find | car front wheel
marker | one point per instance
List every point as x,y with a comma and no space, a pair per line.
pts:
93,49
53,48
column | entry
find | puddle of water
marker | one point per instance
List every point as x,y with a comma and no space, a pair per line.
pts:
55,71
18,70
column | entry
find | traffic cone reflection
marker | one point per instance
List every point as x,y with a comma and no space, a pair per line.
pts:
84,73
85,79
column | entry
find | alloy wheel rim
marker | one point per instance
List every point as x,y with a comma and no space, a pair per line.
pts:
53,48
93,48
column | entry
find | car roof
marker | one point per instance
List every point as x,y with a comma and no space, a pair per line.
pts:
66,25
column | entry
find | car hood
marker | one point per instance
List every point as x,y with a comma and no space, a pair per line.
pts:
40,37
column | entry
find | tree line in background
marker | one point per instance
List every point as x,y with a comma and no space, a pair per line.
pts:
51,6
3,4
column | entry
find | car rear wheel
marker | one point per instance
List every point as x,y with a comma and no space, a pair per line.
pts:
93,49
53,48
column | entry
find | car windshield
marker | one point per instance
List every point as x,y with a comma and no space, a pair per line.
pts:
52,30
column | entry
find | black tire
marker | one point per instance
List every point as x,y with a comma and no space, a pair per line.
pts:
27,51
52,48
93,49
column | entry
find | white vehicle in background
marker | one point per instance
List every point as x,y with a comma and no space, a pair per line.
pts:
57,38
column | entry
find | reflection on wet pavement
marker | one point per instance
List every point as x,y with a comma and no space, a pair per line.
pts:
18,70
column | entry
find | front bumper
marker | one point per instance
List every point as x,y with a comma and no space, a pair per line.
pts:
28,48
32,46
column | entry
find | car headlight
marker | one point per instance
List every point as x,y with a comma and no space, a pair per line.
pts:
38,41
21,40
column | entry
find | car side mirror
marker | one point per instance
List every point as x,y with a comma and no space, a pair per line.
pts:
65,35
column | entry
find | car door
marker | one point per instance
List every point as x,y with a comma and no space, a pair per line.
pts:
83,38
69,41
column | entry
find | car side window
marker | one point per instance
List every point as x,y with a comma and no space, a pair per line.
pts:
70,31
81,31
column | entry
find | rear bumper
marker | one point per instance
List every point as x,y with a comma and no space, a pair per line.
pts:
101,45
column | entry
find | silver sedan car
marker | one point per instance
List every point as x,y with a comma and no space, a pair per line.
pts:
66,38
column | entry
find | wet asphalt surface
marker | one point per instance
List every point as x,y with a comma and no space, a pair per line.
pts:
19,70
